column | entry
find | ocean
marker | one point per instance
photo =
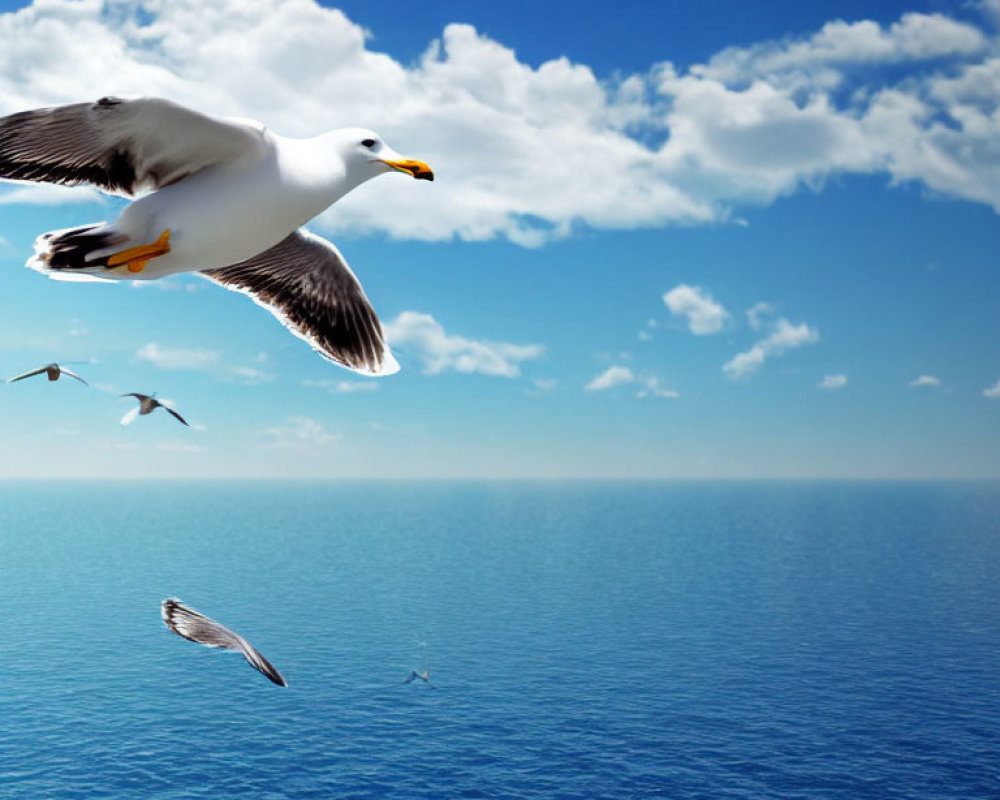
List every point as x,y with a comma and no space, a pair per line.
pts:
584,639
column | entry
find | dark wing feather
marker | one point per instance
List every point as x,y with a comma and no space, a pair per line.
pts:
306,283
24,375
121,146
196,627
176,415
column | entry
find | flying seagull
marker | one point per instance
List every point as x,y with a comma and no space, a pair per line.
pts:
53,371
198,628
224,197
425,676
147,404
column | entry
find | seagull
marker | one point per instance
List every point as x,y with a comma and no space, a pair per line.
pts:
147,404
53,371
425,676
196,627
223,197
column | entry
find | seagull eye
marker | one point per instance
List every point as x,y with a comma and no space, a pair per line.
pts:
369,143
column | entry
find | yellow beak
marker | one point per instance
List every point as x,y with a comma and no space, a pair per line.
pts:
418,169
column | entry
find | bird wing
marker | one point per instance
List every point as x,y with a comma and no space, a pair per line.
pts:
121,146
176,415
72,374
411,677
24,375
130,416
196,627
305,282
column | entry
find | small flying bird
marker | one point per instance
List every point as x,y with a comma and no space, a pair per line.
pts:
223,197
196,627
147,404
425,676
53,371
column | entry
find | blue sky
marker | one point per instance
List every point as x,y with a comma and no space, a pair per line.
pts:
665,240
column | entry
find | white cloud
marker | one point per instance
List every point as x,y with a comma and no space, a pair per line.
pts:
757,313
838,381
992,391
613,376
840,45
704,315
651,388
924,380
424,337
299,433
529,153
784,337
178,358
200,360
545,385
340,387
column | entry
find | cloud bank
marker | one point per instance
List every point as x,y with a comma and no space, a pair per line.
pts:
514,146
423,337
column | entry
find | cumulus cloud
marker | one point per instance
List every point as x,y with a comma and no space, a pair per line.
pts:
924,380
840,45
651,388
424,337
838,381
750,125
200,360
784,337
993,391
704,315
614,375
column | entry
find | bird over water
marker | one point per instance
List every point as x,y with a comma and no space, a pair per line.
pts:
196,627
223,197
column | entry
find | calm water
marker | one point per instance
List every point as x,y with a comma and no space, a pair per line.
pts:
587,640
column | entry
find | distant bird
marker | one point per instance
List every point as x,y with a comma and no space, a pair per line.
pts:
196,627
225,197
425,676
147,404
53,371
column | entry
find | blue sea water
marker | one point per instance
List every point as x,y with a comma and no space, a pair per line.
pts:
587,640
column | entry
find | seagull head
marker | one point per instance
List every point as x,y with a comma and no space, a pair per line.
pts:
365,154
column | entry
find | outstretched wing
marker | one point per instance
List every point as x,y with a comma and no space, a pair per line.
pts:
176,415
121,146
72,374
306,283
24,375
130,416
196,627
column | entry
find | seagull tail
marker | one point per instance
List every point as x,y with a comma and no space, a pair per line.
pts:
64,254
